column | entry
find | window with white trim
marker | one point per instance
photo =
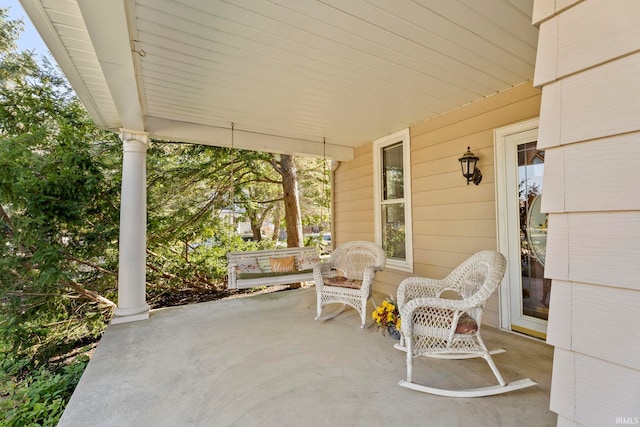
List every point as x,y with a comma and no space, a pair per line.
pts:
392,175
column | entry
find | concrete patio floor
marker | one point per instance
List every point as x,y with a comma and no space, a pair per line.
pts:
264,361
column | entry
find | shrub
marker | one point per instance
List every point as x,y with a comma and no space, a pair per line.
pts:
36,397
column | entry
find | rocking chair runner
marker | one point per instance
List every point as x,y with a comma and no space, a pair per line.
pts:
442,319
347,277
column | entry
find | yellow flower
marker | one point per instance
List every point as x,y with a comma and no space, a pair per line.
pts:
387,314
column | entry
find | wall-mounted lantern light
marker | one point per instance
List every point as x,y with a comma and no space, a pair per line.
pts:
469,170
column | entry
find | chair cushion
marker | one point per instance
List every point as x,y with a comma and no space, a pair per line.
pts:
282,265
466,325
307,261
342,282
248,265
241,276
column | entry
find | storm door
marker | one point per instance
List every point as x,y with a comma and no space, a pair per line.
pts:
522,229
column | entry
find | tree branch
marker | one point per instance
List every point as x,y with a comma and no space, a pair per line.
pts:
91,295
269,180
89,264
7,220
277,165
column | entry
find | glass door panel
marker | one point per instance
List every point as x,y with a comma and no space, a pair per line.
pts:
535,289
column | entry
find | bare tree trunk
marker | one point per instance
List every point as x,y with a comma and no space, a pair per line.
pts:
255,230
256,219
292,215
276,223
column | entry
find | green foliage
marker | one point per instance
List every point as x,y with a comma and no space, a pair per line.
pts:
58,210
188,187
36,397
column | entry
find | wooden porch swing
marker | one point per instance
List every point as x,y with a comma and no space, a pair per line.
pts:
270,267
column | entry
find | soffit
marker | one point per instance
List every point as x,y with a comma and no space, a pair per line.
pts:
287,73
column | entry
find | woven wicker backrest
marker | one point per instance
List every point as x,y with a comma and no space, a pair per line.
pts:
478,276
352,258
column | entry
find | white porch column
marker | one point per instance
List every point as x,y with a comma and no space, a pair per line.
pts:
132,304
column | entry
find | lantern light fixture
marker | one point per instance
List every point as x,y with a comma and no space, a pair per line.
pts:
468,163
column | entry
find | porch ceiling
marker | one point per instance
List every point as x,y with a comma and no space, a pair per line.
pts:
288,73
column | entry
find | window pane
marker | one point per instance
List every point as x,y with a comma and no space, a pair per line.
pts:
536,290
392,172
393,237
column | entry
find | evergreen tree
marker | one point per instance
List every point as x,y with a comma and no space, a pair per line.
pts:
58,207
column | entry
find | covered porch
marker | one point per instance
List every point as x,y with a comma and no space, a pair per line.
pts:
263,360
328,78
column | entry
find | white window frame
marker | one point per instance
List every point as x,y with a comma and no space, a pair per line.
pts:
402,136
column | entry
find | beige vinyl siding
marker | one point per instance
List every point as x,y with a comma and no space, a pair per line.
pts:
594,26
353,198
588,66
451,220
617,106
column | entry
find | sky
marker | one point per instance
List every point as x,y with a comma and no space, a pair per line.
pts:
29,39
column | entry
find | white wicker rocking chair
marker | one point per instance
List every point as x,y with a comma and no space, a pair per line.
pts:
347,278
435,325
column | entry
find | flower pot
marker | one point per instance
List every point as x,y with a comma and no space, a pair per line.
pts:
393,332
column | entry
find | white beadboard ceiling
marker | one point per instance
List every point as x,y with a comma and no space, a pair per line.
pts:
288,73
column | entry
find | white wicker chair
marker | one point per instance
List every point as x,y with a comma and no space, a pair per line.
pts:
442,319
347,278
